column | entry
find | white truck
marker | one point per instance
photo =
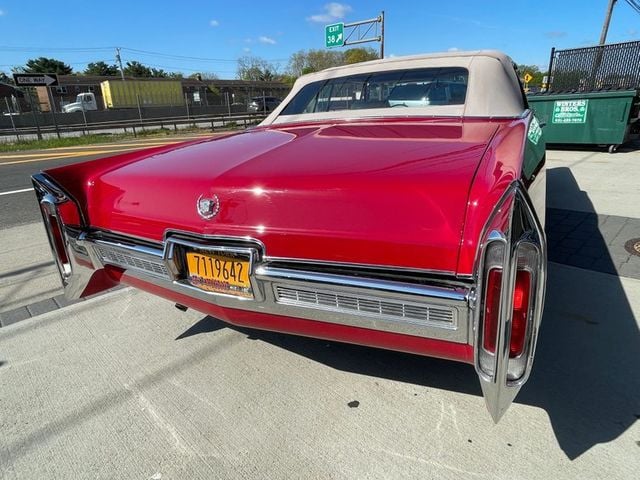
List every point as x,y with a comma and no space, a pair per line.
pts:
84,101
117,94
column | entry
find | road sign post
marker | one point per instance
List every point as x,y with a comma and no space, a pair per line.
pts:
334,35
34,114
53,110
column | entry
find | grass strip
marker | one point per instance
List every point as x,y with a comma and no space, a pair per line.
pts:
88,139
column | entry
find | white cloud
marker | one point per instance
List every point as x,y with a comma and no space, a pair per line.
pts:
267,40
332,11
555,34
1,13
214,23
246,49
453,49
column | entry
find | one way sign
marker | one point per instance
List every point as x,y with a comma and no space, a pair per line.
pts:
35,79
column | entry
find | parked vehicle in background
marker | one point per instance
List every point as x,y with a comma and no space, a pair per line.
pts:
84,101
263,104
118,94
143,93
342,216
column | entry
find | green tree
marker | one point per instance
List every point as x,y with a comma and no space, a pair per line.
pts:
4,78
204,76
285,78
46,65
101,69
137,69
308,61
357,55
532,70
158,73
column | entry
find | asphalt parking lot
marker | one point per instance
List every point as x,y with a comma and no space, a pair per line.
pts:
124,385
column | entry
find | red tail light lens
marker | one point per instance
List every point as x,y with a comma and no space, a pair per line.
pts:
492,309
58,240
521,298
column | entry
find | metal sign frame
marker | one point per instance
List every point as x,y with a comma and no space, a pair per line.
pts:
357,32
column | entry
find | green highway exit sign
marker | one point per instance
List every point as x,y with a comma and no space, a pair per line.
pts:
334,35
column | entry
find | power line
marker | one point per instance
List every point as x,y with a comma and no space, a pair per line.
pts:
183,57
634,4
186,57
55,49
133,50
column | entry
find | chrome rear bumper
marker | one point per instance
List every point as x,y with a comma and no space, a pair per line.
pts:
437,311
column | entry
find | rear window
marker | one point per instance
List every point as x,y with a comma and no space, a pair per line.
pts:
395,89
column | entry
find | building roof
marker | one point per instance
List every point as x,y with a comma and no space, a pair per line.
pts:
97,79
7,90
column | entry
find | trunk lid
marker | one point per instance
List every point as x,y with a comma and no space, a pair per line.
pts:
390,193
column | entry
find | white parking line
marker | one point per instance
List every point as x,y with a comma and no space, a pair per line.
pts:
16,191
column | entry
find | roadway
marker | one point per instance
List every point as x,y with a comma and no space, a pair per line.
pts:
17,205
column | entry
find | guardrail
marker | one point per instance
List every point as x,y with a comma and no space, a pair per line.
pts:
215,121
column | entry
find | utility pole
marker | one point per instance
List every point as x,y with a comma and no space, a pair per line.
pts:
119,60
607,19
382,34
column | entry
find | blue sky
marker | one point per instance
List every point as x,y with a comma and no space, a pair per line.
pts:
219,32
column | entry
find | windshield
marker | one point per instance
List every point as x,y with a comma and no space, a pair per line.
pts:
398,88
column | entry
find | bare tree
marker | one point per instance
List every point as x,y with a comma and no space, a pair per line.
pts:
255,69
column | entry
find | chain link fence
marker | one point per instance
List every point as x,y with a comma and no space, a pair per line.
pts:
603,67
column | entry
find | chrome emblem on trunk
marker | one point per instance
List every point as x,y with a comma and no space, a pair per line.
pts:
208,207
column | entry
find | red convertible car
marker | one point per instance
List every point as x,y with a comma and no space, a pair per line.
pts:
397,203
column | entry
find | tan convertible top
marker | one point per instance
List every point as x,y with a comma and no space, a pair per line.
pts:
493,89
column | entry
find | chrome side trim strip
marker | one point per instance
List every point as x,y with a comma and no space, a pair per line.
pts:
453,294
309,261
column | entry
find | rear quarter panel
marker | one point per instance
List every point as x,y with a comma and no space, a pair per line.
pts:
515,153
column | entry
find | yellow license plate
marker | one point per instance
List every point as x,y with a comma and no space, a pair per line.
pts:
220,273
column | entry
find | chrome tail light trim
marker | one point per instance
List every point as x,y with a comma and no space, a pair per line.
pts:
68,255
501,376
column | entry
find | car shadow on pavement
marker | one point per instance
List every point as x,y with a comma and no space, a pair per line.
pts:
586,369
588,357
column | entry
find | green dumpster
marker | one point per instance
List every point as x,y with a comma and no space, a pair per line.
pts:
598,118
